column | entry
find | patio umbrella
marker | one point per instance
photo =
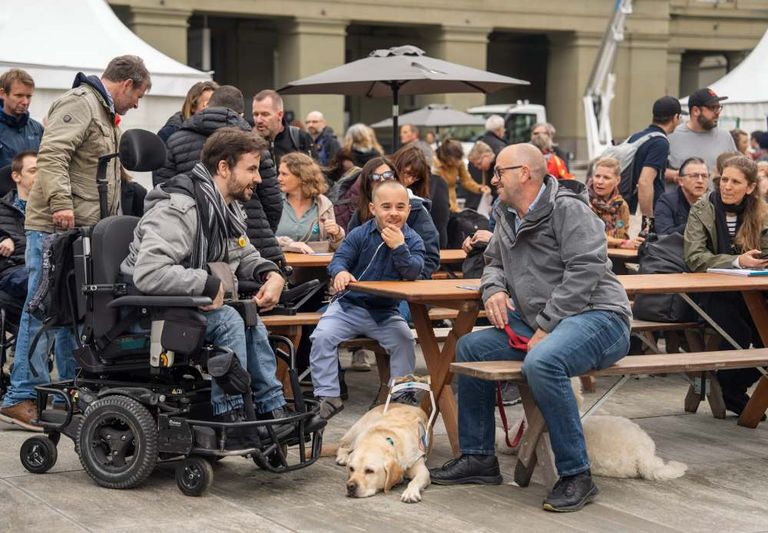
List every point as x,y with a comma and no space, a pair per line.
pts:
434,116
402,70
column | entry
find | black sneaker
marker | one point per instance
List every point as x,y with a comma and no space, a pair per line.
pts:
477,469
281,430
571,493
239,438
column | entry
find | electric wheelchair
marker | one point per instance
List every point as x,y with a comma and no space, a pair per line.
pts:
140,398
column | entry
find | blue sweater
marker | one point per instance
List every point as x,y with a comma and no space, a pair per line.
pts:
365,255
17,135
671,213
420,221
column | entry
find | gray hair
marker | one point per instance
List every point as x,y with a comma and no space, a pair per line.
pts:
494,123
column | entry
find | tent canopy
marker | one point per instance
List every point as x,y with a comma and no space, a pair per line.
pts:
746,87
54,39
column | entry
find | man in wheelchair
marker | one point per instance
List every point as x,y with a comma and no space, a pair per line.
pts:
192,224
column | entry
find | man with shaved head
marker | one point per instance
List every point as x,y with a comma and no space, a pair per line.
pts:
548,289
323,137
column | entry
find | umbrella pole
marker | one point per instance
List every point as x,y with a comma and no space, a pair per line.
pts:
395,112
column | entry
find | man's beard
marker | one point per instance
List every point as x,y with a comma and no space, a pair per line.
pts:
705,123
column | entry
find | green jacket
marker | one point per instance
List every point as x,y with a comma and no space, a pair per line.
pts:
81,128
700,239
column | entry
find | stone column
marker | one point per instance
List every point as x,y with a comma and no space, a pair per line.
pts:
465,45
307,46
163,28
571,57
674,64
689,73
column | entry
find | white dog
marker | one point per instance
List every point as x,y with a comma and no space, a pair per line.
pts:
617,447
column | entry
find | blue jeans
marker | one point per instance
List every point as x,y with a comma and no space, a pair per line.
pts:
22,386
226,328
580,343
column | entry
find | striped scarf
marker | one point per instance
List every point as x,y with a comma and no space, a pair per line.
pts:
217,221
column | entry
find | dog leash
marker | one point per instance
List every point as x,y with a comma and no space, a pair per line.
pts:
518,342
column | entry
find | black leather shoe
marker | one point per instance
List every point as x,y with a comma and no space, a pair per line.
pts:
239,438
571,493
477,469
281,430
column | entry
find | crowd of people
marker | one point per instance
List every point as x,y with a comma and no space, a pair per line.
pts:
243,185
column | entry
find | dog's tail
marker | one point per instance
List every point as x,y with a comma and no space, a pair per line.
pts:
329,449
655,469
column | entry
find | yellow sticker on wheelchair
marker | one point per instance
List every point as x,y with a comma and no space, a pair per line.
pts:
242,241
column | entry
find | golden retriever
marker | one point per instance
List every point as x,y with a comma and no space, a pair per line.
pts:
381,449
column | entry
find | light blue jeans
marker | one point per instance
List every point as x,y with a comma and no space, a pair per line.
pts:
23,383
342,324
580,343
226,328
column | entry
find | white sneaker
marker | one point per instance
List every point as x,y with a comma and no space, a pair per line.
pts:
360,361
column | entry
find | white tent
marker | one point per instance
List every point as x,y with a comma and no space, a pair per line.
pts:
55,39
746,87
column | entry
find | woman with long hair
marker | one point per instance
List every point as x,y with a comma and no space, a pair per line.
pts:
360,141
308,215
727,228
196,100
449,165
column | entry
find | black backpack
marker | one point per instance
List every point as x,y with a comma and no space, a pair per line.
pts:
662,256
463,224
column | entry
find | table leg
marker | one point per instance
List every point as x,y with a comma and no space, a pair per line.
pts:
758,403
294,334
439,362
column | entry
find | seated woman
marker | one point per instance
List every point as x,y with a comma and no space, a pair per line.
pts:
727,229
449,165
307,214
607,203
413,169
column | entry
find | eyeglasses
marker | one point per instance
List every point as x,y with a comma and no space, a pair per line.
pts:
696,175
498,170
714,108
387,175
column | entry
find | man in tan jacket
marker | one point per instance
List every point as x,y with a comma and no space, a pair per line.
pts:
82,126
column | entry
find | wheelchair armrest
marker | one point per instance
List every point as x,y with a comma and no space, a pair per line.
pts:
160,301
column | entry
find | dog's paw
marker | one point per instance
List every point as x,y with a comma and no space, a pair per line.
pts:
342,457
411,495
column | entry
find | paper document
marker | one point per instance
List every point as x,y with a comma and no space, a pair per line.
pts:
738,271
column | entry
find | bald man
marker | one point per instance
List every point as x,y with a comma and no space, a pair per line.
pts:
548,279
323,138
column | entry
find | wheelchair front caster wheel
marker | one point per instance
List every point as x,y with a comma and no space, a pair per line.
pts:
194,476
38,454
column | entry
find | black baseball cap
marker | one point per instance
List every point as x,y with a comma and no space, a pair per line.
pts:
666,106
704,97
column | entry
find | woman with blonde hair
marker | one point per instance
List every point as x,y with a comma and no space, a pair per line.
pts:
609,205
196,100
449,165
728,228
361,142
308,223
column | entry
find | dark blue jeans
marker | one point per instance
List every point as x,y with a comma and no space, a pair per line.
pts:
580,343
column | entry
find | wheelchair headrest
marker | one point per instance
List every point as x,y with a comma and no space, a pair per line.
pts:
141,150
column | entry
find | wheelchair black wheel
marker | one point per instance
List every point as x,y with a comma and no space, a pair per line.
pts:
117,442
194,476
38,454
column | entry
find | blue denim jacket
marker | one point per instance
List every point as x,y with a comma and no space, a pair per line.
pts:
365,255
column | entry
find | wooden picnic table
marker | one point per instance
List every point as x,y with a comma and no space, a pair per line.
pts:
464,296
323,260
622,254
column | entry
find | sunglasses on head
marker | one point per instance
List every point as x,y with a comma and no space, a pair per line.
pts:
387,175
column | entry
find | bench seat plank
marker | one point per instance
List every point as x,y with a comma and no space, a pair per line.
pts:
636,364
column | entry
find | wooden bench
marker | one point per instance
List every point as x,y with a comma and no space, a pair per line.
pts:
534,445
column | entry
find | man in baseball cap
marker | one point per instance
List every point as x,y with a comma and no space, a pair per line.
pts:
699,136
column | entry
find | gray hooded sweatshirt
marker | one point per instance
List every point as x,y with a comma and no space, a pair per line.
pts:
162,245
556,265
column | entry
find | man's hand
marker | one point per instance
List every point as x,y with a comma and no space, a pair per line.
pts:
496,308
64,219
537,338
269,294
467,245
7,247
330,227
393,236
485,189
217,302
342,279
